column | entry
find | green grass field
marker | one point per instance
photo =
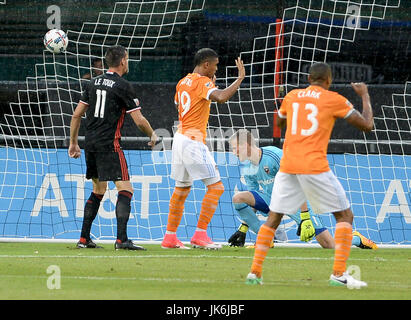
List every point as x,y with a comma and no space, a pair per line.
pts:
159,274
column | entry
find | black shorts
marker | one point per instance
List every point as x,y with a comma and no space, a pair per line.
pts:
107,166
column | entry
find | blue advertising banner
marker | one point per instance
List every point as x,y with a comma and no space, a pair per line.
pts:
43,192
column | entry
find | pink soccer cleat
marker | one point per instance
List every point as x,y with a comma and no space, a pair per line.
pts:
171,241
201,240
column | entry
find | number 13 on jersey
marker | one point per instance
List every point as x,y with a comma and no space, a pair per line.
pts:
312,117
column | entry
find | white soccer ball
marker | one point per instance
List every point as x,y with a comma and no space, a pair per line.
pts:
55,41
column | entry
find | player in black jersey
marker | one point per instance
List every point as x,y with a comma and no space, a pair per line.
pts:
105,101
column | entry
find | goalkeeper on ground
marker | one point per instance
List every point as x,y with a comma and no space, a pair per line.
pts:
259,167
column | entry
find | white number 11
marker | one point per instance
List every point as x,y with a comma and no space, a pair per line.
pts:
100,103
310,117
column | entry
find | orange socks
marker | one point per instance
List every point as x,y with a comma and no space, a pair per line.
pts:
209,204
343,238
176,208
264,238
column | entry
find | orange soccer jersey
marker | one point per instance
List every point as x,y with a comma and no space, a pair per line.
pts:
311,114
193,100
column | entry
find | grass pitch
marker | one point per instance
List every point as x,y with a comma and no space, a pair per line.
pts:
159,274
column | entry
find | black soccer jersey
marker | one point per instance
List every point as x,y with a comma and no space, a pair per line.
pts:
109,97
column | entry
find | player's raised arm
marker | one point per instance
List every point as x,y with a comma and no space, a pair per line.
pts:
143,124
222,95
282,115
281,121
363,121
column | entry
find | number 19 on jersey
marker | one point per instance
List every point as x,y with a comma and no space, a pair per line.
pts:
184,101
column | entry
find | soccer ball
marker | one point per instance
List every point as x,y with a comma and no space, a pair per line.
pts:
55,41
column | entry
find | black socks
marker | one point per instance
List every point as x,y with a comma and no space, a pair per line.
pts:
123,209
90,213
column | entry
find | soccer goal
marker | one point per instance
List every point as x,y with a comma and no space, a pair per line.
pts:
374,168
43,191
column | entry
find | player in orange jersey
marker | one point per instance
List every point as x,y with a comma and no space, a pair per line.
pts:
304,171
191,159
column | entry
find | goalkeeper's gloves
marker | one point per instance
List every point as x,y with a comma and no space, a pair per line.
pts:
237,239
306,229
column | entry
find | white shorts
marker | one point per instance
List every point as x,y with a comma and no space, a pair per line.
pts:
324,192
191,160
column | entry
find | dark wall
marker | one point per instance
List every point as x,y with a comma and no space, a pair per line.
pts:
229,27
157,101
380,56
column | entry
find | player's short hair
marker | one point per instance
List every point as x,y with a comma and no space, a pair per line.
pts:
242,136
320,72
114,55
203,55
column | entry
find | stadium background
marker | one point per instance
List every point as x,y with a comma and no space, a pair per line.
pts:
229,27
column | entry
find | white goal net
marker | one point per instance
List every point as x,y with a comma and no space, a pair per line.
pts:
376,178
43,191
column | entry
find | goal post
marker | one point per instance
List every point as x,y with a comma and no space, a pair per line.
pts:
43,191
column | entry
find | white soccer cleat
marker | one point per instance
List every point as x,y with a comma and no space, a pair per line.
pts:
252,279
346,280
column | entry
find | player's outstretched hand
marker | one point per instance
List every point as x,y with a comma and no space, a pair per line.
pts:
360,88
240,67
74,151
306,229
237,239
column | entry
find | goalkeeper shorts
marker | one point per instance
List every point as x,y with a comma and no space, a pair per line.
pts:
261,205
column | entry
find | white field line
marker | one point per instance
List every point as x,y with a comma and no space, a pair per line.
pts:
206,281
7,256
146,242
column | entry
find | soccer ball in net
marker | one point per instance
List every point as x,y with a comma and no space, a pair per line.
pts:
55,41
